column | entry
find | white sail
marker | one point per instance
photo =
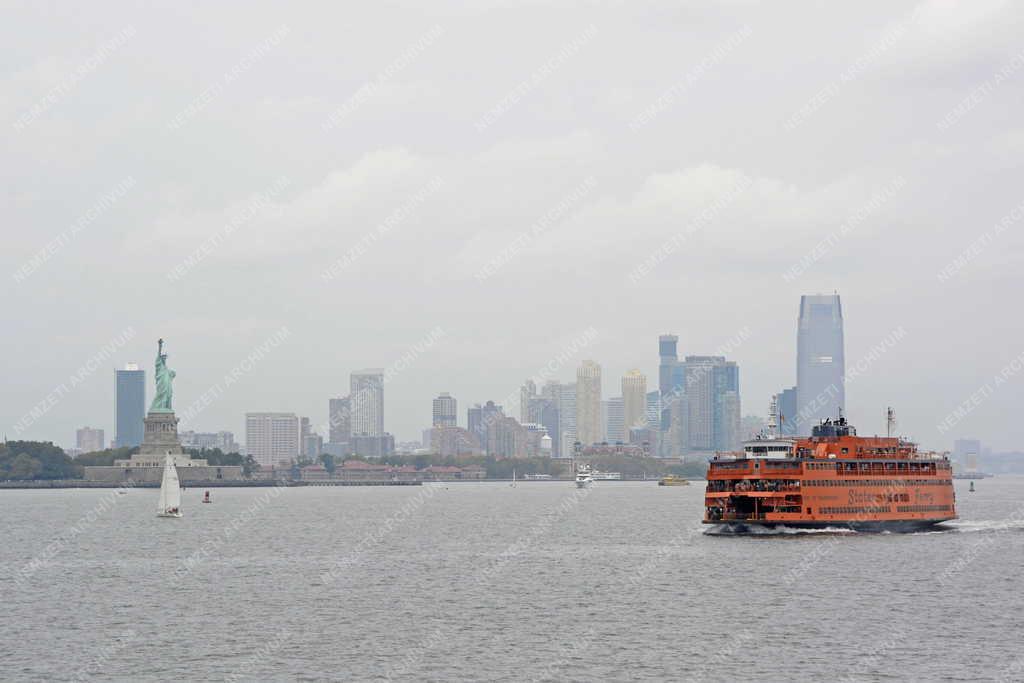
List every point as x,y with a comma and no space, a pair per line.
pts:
170,489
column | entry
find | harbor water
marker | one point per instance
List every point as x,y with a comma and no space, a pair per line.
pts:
488,581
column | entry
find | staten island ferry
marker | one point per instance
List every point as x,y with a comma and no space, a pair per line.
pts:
832,479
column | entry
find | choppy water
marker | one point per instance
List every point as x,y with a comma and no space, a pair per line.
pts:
490,582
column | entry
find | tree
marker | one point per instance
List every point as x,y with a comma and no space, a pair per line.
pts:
24,466
36,460
218,458
249,465
105,457
328,462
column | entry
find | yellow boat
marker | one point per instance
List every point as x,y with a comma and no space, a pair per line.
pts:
673,480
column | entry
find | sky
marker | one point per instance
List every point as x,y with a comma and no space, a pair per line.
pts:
462,191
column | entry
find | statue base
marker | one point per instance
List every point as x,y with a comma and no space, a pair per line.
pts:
159,440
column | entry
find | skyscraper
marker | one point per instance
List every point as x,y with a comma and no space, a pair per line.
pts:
475,423
614,420
563,397
548,416
506,438
131,406
787,412
526,392
668,361
588,403
668,356
711,404
271,438
367,402
339,419
480,420
634,401
654,409
820,365
89,440
445,411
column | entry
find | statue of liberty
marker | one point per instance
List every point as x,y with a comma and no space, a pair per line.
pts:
164,375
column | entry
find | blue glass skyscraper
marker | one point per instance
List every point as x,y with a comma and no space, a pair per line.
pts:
131,406
820,364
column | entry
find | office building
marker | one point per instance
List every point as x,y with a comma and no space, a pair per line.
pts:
88,440
312,446
820,364
526,392
373,446
588,403
272,438
566,399
339,420
786,400
479,418
543,410
614,421
559,417
131,406
445,411
668,364
506,438
223,440
654,410
634,401
366,396
711,404
452,442
966,452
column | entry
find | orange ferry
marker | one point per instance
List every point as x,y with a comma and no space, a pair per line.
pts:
834,478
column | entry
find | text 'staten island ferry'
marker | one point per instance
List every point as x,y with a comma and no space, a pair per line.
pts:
832,479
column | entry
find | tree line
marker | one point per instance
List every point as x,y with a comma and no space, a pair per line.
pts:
25,460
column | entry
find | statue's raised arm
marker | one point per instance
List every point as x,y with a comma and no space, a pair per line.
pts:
163,376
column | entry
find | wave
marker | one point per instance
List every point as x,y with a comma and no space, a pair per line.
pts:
966,526
726,530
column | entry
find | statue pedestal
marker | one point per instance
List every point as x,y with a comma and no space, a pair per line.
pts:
161,435
159,440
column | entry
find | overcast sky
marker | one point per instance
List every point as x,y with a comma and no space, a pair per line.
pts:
496,178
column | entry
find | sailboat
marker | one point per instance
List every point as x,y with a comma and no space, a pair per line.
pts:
170,491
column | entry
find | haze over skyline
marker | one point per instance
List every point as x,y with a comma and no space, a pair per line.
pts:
510,176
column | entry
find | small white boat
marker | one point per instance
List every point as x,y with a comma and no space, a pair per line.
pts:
170,491
584,477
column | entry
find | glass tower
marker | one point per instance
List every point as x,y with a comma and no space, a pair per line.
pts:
819,361
131,406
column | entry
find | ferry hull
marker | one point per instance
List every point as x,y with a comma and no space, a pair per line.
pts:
897,526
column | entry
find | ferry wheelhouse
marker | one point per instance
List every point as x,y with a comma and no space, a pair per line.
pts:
833,478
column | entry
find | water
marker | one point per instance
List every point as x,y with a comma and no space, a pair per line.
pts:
490,582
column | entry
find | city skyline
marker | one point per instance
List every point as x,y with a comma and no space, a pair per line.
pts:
511,400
